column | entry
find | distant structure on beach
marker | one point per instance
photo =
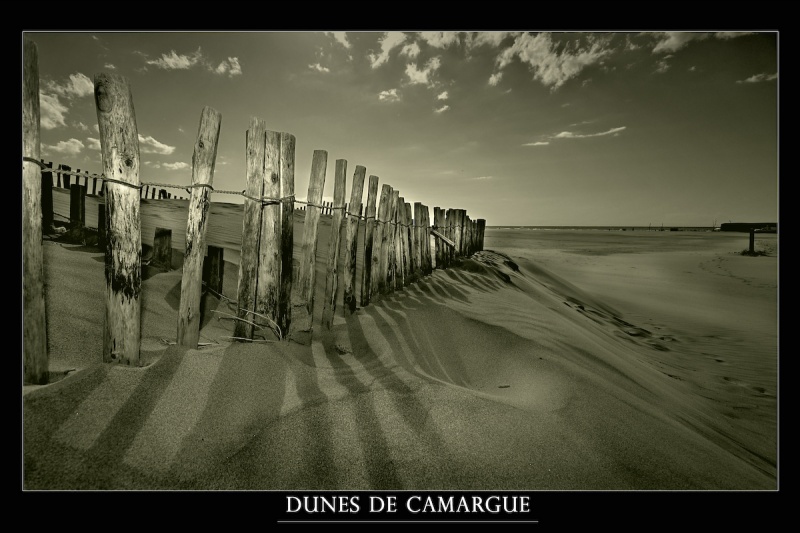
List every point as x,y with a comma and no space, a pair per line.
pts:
745,227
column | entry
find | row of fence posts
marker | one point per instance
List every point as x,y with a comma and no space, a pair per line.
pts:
397,247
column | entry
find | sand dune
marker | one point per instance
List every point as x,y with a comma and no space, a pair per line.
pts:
526,368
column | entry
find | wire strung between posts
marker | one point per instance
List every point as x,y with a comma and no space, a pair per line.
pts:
32,160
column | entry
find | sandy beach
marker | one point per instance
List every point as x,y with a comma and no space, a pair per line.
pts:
553,360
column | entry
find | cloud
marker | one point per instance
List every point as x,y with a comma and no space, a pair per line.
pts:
439,39
81,126
571,135
52,111
229,66
173,61
76,86
96,128
672,41
180,165
319,68
181,130
148,145
388,42
72,147
662,66
538,143
732,34
482,178
340,36
755,78
442,109
487,38
389,96
629,44
110,66
410,50
692,68
443,96
93,144
495,78
554,64
416,76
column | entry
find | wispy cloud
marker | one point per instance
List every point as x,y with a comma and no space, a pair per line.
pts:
672,41
229,66
71,147
81,126
76,86
181,130
442,109
96,128
389,96
52,111
554,64
495,78
148,145
319,68
537,143
487,38
732,34
662,66
340,36
482,178
110,66
389,41
416,76
175,61
180,165
692,68
92,143
440,39
411,50
571,135
443,96
759,77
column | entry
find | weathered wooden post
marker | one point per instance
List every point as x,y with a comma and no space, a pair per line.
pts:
332,277
369,241
77,206
458,227
417,240
34,330
752,240
401,246
203,161
427,234
409,243
255,141
214,269
481,230
384,214
94,186
351,248
391,273
47,196
268,276
119,143
65,176
467,236
303,306
287,231
438,222
162,248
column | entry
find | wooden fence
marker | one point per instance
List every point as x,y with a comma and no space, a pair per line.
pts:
395,246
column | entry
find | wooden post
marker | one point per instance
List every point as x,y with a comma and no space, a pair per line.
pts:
382,237
77,206
481,231
457,227
438,222
153,193
400,245
268,275
86,179
287,231
332,277
428,258
162,248
203,161
214,269
417,258
467,232
351,249
303,306
65,177
34,331
102,225
752,240
47,196
369,240
255,141
119,144
94,186
409,244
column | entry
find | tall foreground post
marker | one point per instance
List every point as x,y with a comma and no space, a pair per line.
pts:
268,283
380,250
203,161
481,230
438,221
350,245
409,251
402,244
418,240
369,240
36,364
119,144
255,142
303,306
287,230
332,277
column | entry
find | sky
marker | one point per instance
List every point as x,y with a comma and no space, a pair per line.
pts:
518,128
